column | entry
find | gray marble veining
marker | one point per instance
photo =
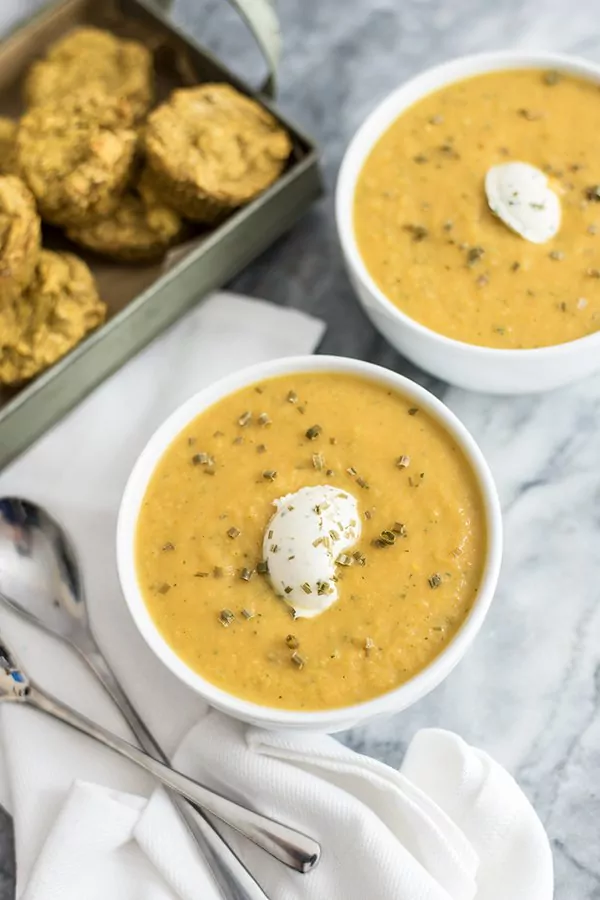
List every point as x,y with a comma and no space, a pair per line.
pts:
529,690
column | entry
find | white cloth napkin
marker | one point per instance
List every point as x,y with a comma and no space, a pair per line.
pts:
452,826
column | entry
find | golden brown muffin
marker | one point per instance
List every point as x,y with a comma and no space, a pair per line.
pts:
90,56
8,151
57,310
20,237
141,228
77,155
211,149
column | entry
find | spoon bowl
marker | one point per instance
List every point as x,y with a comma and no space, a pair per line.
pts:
39,572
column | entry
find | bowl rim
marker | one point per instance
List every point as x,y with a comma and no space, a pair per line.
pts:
328,719
379,120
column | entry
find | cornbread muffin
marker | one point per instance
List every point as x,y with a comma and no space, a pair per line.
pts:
20,237
57,310
8,153
141,228
211,149
91,56
77,154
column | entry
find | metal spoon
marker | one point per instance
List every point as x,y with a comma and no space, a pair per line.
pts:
38,565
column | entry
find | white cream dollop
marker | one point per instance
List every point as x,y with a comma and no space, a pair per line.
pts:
518,193
306,535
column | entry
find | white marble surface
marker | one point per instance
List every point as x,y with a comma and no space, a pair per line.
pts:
529,691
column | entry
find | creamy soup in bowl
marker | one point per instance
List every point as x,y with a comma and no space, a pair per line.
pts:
310,543
468,214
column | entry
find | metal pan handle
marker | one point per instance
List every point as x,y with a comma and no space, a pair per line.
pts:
261,19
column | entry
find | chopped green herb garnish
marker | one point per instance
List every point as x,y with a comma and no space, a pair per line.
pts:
434,580
203,459
233,532
318,461
403,462
245,418
313,432
344,560
292,641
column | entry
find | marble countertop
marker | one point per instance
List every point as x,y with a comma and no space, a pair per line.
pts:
529,690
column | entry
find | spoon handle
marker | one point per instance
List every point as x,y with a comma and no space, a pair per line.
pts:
291,847
228,870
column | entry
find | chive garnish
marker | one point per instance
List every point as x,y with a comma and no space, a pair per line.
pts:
330,473
403,462
359,558
233,532
203,459
261,448
551,78
593,192
292,397
274,548
270,534
351,471
313,432
248,613
434,580
218,572
269,474
298,660
163,588
399,529
318,461
387,536
292,641
362,483
306,588
367,514
369,645
323,587
558,255
262,567
168,546
238,440
264,419
288,590
413,410
245,418
191,441
474,255
200,574
226,617
246,574
344,560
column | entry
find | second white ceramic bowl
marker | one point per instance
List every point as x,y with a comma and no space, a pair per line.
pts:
466,365
333,719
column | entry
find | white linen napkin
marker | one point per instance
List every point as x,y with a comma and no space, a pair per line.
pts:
452,826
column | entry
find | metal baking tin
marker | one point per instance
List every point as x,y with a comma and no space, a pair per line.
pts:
201,266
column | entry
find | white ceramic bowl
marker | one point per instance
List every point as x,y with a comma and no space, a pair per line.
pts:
335,719
466,365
